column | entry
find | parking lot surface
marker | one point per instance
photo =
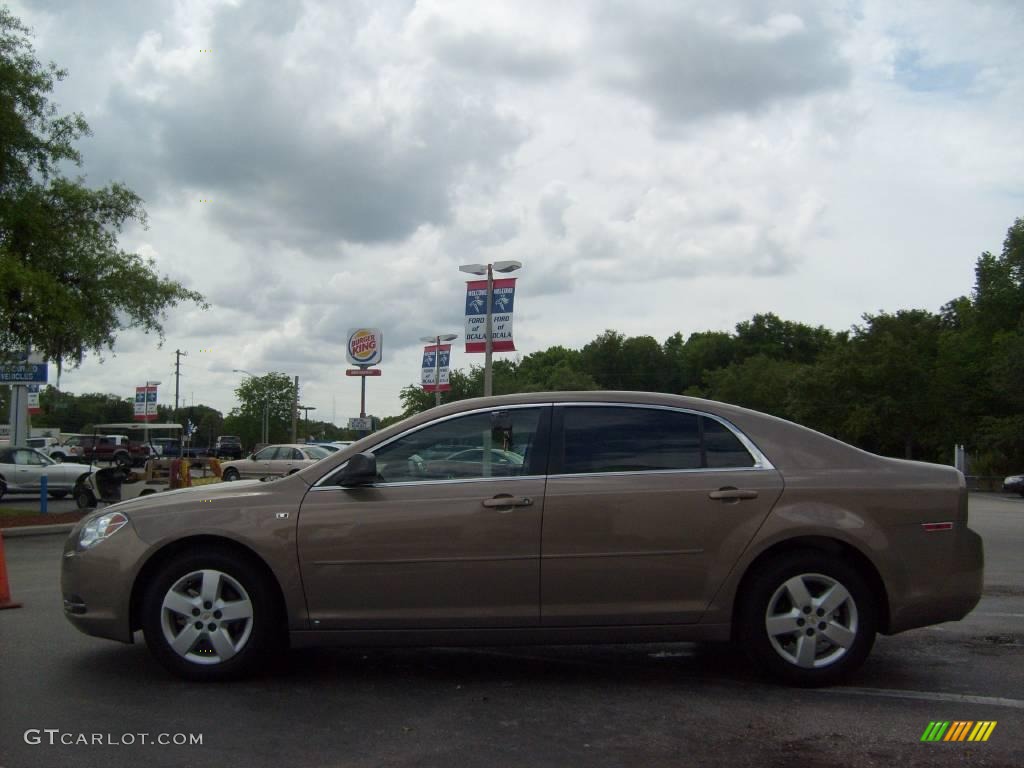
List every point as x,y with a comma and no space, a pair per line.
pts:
637,705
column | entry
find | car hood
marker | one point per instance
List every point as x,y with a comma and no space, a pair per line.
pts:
216,496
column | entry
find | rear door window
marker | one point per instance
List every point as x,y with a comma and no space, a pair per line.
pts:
630,439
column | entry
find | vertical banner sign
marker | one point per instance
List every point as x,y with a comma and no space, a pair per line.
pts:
145,403
430,353
501,315
33,399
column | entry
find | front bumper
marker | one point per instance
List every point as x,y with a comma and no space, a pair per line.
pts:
96,583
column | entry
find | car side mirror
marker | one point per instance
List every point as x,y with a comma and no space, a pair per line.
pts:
360,470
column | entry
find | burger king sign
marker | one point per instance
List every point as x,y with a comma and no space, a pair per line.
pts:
364,346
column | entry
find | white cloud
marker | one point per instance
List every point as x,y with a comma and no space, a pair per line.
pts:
657,166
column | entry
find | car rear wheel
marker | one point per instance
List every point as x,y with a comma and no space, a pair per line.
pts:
211,615
123,460
808,618
3,488
230,474
58,494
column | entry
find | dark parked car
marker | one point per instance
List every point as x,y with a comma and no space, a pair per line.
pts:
1014,484
228,447
626,516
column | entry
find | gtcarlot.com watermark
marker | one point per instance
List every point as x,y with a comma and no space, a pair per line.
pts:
55,736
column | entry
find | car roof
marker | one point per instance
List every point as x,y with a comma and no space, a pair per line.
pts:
789,446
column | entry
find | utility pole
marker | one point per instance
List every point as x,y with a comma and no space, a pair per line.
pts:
295,409
178,354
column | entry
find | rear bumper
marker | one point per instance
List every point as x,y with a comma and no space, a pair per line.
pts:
948,594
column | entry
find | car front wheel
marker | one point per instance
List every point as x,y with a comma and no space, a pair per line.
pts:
230,474
808,619
211,615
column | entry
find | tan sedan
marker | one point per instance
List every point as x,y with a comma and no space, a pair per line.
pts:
274,461
631,517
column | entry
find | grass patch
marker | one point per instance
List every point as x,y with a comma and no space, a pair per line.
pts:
14,511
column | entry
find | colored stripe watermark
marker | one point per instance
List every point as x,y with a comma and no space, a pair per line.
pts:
958,730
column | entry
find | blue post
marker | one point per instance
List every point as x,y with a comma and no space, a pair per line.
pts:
42,494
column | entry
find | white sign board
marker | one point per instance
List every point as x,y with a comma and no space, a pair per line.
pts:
365,346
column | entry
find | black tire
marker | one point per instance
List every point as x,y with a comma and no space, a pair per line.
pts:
260,637
58,494
766,590
230,474
123,460
3,488
61,457
84,498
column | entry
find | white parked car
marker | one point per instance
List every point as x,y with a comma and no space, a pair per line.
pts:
22,470
275,461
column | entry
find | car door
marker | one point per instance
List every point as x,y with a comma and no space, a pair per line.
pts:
424,548
647,509
286,460
28,469
259,465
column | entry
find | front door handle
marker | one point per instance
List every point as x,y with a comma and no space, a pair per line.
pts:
732,494
508,501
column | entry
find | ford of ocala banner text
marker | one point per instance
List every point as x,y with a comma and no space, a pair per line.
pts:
430,353
501,315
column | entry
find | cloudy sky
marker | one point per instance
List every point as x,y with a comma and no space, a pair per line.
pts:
657,166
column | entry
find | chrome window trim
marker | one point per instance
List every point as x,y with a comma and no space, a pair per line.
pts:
413,430
406,483
760,460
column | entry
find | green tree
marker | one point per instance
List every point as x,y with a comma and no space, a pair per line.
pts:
759,382
78,413
58,238
273,392
779,339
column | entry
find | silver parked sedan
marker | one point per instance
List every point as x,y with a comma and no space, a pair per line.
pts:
22,471
275,461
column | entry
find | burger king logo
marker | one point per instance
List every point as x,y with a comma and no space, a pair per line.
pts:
364,346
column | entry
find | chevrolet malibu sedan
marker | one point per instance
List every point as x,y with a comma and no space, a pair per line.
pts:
22,471
632,517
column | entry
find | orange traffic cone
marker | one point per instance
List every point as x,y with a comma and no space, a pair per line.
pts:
5,586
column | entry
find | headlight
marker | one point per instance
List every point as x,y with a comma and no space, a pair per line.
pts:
100,528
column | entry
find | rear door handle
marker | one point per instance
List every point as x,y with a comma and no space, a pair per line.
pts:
508,501
732,494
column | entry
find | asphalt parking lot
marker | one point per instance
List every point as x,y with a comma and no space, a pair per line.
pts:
642,705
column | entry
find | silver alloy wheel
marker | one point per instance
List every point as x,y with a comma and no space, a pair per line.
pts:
811,620
206,617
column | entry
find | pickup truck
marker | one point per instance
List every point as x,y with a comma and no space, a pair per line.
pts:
171,448
111,448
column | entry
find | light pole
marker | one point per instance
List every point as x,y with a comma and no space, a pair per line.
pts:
307,409
145,429
489,270
264,426
436,340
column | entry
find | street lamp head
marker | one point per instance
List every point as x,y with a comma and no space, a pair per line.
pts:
474,269
448,336
153,383
439,337
506,266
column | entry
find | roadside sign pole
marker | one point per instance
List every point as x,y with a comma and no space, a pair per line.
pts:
437,371
362,394
488,377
